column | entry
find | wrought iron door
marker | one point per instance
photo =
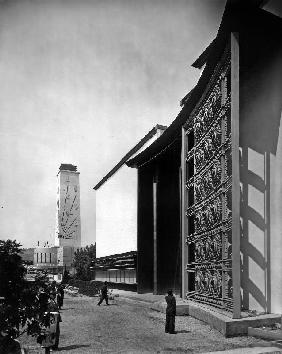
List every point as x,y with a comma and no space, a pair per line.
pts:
208,201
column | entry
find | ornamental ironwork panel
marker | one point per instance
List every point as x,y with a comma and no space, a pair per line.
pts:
208,201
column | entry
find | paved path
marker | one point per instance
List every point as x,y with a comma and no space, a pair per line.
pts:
128,327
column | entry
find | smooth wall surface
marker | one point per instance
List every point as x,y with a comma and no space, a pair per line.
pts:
145,229
66,256
261,168
116,213
168,221
68,227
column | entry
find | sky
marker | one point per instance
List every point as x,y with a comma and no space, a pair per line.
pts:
82,81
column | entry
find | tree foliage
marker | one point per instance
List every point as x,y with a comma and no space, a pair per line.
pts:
20,309
83,260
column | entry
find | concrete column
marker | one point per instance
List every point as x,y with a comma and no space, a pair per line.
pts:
184,287
236,264
155,234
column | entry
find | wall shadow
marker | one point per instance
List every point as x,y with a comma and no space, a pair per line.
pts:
260,115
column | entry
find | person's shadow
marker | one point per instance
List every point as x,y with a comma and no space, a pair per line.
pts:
66,309
182,331
73,346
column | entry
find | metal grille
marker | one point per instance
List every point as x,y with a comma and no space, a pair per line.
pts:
208,194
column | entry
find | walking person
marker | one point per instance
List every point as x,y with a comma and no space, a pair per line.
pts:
170,312
104,294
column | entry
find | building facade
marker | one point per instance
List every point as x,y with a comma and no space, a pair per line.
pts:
46,257
228,133
54,259
68,228
158,222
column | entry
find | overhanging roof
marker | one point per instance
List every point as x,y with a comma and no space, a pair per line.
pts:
201,61
134,150
237,15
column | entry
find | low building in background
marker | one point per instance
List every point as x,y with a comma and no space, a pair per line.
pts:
54,258
117,268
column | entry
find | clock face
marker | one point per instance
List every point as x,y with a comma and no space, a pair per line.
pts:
69,212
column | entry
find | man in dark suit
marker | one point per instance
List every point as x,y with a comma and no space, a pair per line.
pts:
104,294
170,312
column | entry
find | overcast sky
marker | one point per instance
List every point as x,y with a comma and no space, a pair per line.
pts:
82,82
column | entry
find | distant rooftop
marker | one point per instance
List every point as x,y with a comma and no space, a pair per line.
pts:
68,167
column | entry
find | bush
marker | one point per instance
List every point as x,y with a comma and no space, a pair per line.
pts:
20,308
83,260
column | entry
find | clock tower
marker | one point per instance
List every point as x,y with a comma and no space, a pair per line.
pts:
68,228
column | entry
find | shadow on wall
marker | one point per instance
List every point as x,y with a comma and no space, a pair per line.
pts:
260,115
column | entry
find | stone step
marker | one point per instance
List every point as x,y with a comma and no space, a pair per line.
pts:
265,333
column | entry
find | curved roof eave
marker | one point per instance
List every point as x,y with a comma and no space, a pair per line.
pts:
135,149
174,130
237,14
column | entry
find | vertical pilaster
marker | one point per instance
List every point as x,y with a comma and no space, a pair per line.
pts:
267,231
138,268
184,287
224,237
155,235
236,264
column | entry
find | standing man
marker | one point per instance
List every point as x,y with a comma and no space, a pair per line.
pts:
53,307
60,296
49,339
104,294
170,313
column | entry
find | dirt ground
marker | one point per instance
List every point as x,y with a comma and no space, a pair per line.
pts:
128,327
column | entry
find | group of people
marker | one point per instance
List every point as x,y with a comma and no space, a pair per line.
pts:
51,293
57,292
170,308
54,301
51,299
